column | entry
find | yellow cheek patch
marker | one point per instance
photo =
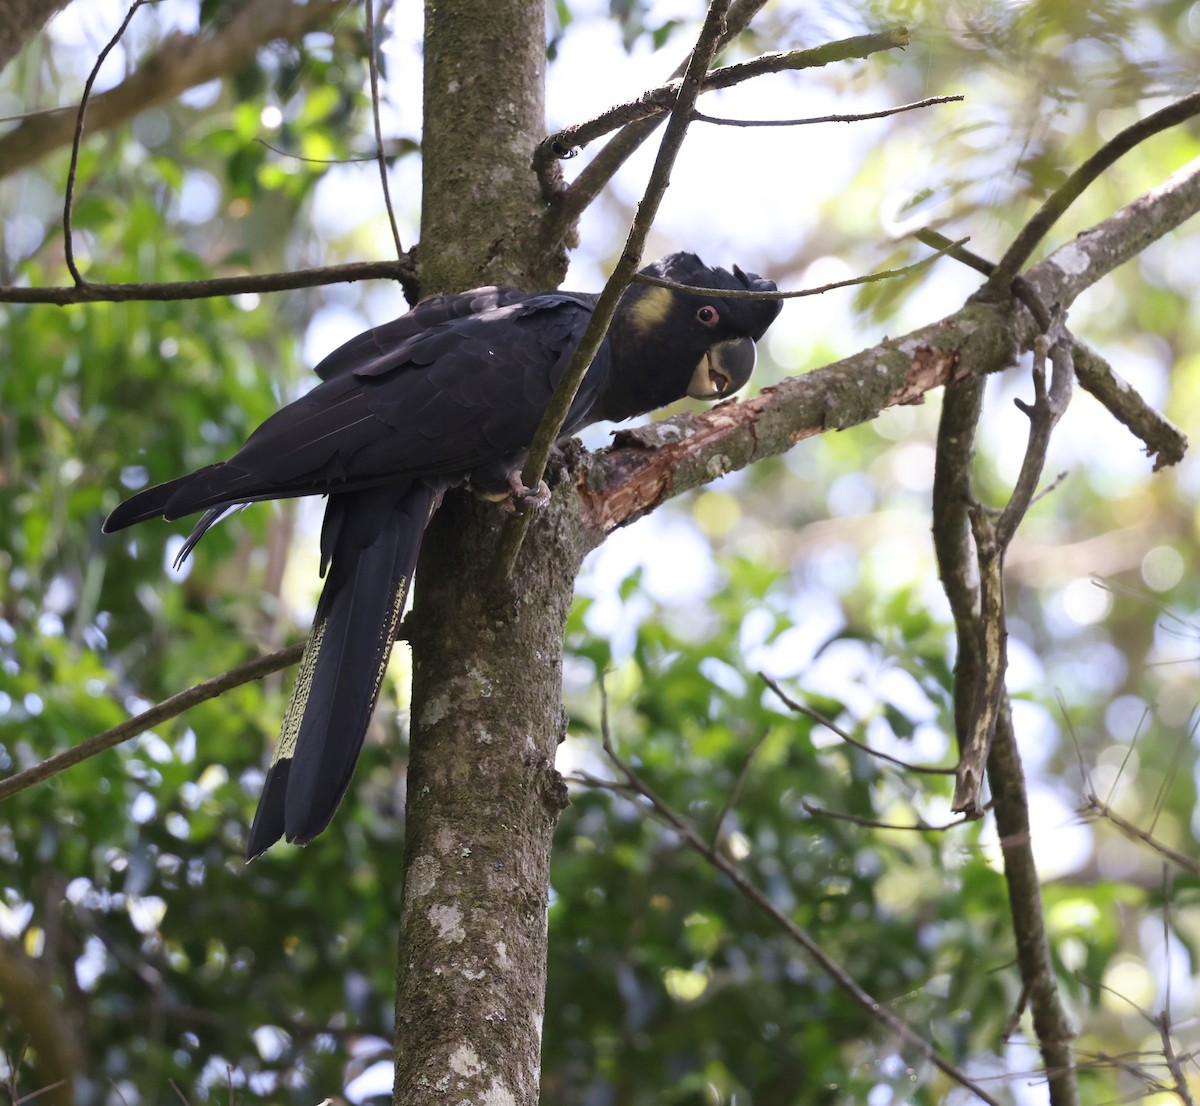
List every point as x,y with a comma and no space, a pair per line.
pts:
652,308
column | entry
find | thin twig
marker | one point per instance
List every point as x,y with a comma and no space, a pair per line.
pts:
877,823
564,392
546,163
658,101
383,173
293,156
796,293
1163,1025
751,892
68,242
157,714
1093,805
33,1096
735,792
833,727
403,271
569,203
859,117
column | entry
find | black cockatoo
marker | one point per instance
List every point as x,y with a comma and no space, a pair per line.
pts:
449,394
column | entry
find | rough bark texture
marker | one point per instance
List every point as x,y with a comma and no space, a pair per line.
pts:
483,800
481,206
483,795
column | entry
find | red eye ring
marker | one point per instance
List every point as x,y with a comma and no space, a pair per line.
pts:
708,315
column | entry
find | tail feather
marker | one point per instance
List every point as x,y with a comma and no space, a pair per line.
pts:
376,538
151,503
221,485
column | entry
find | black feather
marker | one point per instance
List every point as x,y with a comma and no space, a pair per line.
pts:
375,537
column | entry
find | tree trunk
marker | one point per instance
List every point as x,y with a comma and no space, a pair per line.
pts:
483,795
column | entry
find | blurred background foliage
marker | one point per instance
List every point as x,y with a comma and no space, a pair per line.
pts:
162,962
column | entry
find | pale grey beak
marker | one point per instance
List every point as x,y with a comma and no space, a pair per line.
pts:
723,369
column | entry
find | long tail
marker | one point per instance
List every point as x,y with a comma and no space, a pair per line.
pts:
372,539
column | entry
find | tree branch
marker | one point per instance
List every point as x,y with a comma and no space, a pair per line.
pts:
77,138
859,117
656,102
992,539
1164,441
182,62
1051,1025
649,464
797,293
833,727
380,156
404,271
550,177
639,118
1097,251
157,714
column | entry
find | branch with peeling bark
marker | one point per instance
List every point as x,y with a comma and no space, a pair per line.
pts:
649,464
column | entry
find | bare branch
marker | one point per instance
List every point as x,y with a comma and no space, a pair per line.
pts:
875,823
157,714
1096,252
992,539
1163,1024
77,138
568,204
372,54
735,792
182,62
1095,806
1010,804
833,727
856,118
404,271
1164,441
656,102
652,463
795,294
